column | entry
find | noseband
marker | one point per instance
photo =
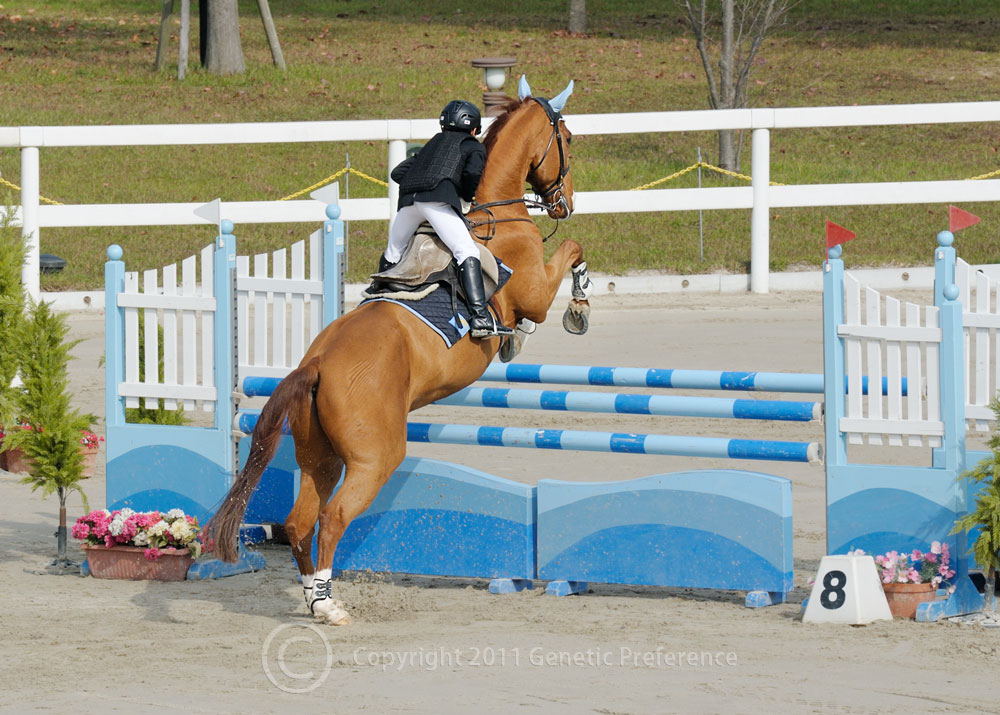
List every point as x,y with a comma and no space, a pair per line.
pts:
545,195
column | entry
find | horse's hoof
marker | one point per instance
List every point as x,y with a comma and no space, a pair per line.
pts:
331,612
576,319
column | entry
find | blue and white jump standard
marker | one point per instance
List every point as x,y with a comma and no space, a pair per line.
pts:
708,529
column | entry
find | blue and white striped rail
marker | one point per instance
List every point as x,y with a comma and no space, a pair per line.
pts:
620,442
560,400
630,377
607,402
665,378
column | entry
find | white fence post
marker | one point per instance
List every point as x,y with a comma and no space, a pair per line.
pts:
30,277
397,153
760,251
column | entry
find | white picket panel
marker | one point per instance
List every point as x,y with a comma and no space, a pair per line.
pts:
894,342
170,333
981,327
131,336
208,321
278,315
151,330
852,345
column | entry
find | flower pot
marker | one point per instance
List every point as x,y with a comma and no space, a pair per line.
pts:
904,598
15,461
89,453
130,562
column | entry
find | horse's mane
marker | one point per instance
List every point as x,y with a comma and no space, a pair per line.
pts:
508,109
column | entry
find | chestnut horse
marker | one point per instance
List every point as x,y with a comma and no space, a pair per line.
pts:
348,400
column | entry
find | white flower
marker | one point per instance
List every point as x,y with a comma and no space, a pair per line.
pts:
116,526
141,539
159,528
935,547
181,530
175,514
125,513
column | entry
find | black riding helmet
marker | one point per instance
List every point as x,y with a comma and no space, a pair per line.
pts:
460,116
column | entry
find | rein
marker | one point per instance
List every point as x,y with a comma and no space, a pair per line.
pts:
554,118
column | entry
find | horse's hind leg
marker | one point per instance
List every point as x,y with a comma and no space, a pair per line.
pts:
320,471
362,481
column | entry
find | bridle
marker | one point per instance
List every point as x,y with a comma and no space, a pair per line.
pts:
545,194
557,185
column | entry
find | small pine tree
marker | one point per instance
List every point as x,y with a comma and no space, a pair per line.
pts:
986,515
51,438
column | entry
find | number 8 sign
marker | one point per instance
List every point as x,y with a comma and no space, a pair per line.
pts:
847,590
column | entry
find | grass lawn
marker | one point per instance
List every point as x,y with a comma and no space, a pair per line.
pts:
91,62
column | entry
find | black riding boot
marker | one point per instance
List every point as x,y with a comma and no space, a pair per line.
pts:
482,324
384,264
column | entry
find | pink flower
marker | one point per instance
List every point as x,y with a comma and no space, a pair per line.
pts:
915,555
109,540
81,530
152,554
913,575
930,558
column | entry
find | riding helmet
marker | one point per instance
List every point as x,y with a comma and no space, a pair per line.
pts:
460,116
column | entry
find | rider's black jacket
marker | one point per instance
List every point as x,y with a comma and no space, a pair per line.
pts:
447,169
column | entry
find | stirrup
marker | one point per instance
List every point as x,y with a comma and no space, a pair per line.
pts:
495,330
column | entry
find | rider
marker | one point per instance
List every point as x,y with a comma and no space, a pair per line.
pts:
432,184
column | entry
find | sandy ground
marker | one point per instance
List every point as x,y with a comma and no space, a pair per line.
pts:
446,645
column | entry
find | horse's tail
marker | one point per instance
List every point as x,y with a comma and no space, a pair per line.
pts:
292,391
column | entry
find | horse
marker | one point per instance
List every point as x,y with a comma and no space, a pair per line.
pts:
347,402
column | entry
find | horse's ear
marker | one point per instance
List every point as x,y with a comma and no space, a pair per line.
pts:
523,90
559,101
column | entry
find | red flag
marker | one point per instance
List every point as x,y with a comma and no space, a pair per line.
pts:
959,219
835,235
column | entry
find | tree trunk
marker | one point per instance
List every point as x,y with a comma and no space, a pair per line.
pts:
578,16
202,30
727,89
223,51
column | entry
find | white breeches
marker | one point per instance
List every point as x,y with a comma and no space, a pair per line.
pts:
448,225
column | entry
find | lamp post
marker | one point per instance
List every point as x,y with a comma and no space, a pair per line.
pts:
495,71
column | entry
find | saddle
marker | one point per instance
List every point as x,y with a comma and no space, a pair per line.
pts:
425,265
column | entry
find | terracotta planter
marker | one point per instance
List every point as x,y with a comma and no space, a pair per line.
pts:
89,459
904,598
130,562
15,461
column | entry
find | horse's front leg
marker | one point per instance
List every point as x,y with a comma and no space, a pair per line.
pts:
569,257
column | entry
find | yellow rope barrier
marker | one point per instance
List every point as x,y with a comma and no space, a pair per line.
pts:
694,166
370,178
18,188
985,176
332,177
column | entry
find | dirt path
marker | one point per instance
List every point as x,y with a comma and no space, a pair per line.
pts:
446,645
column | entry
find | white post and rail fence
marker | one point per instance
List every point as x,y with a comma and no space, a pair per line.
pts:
760,197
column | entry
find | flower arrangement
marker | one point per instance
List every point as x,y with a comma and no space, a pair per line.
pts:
151,529
90,440
915,567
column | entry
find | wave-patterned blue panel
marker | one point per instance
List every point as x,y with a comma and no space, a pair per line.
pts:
437,542
661,555
881,520
438,518
165,477
706,529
